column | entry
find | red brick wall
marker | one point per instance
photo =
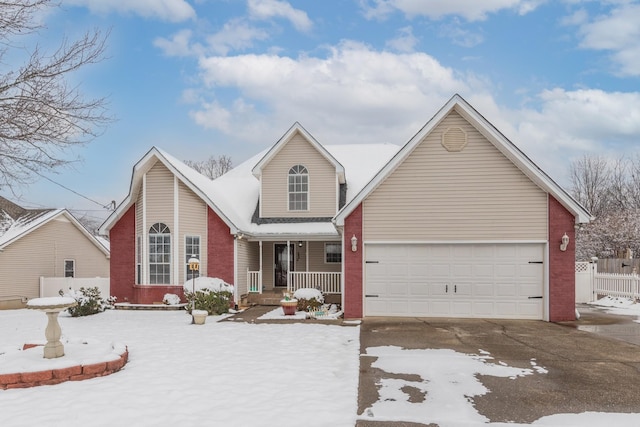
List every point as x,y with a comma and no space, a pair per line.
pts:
353,283
122,266
562,276
151,294
220,247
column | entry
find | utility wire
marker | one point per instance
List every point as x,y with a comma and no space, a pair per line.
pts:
110,206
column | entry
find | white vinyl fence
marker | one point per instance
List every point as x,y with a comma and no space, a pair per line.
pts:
591,284
50,286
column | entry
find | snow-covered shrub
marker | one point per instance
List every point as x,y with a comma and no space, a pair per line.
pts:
89,301
171,299
309,299
211,294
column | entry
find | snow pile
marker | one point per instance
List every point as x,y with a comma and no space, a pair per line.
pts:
50,301
171,299
618,305
212,283
308,293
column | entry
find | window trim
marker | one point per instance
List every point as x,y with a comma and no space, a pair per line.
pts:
164,231
187,272
138,259
339,245
305,174
73,272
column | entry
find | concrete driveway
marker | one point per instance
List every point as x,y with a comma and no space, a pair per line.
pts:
587,371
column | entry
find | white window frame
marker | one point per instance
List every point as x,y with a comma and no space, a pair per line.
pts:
339,246
166,245
188,255
73,263
299,171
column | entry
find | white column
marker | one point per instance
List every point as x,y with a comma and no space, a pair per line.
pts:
260,286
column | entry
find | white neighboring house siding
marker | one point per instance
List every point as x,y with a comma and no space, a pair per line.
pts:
476,194
322,181
42,253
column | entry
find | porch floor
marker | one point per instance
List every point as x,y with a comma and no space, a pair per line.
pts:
267,297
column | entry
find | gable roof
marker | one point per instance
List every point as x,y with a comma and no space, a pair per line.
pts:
17,222
495,137
194,180
275,149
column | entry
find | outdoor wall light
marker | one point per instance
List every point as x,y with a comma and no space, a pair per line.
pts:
565,242
354,243
300,244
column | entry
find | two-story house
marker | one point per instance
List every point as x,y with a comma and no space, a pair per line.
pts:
458,222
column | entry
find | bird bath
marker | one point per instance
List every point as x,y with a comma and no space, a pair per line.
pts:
52,307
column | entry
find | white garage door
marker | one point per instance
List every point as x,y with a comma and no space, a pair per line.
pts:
454,280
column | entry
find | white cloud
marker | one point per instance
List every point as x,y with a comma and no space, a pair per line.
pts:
568,124
266,9
618,32
236,34
178,45
475,10
405,42
166,10
460,36
354,94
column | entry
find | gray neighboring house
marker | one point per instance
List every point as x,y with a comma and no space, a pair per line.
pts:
38,243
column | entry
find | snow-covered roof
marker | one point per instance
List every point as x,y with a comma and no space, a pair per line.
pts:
17,222
235,195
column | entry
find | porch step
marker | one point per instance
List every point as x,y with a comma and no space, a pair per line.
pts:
265,298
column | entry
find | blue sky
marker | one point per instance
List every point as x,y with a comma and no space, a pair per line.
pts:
196,78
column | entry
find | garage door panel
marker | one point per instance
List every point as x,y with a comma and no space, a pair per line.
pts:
465,280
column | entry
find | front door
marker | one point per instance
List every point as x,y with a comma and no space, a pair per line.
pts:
283,264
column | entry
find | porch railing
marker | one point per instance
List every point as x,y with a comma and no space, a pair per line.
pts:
254,282
328,283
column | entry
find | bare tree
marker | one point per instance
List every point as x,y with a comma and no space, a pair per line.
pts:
212,167
590,178
41,115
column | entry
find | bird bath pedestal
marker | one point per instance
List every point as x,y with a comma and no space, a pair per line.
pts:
52,307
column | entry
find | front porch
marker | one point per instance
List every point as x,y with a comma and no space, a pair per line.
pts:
271,268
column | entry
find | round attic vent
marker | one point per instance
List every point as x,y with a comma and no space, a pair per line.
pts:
454,139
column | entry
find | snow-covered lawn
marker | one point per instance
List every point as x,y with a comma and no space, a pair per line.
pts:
244,374
225,373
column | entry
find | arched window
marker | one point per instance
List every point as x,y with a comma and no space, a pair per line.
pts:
159,254
298,188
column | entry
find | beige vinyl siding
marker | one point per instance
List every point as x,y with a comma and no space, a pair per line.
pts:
474,194
159,197
42,253
267,264
139,211
317,258
193,222
248,259
322,181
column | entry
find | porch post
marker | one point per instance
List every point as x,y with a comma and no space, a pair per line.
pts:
306,254
288,265
260,274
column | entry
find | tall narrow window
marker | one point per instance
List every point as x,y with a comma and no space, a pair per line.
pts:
159,254
298,188
192,249
139,260
69,268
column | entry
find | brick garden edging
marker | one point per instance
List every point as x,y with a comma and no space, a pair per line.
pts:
57,376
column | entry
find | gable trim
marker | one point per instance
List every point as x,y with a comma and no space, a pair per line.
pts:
275,149
139,171
495,137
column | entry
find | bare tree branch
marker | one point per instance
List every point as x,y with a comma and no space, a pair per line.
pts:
41,116
211,167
